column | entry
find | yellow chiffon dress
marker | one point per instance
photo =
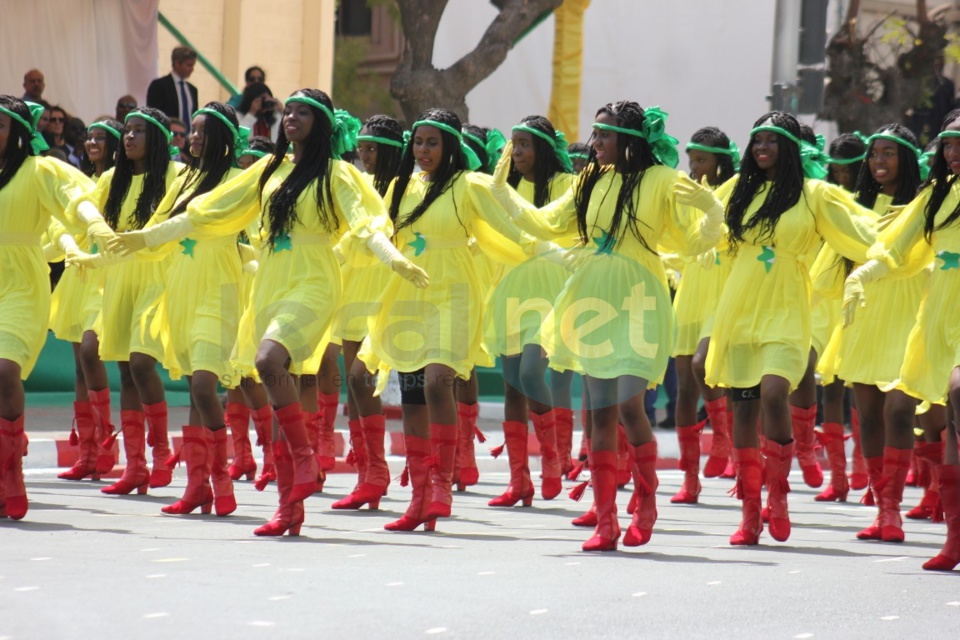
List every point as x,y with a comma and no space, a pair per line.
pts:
614,316
41,190
696,300
297,287
76,300
763,322
933,345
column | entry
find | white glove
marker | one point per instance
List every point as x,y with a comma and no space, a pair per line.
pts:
251,266
688,192
552,252
176,228
708,259
853,296
380,246
97,227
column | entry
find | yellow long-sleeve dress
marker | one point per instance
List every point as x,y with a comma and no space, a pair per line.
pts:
933,345
76,300
524,295
41,190
614,316
442,324
763,324
297,287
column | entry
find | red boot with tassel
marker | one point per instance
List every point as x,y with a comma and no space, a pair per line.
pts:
604,479
11,468
949,556
859,476
564,421
443,438
832,439
804,421
224,502
929,456
749,481
520,487
544,426
779,458
305,469
896,464
290,514
195,455
720,447
689,438
136,475
84,436
467,430
326,445
872,497
263,425
419,468
159,441
645,484
624,458
237,417
100,405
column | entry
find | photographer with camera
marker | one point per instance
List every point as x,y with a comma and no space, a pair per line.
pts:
258,110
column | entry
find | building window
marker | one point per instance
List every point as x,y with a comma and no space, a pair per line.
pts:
354,18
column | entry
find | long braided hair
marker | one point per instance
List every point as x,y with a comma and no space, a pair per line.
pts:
154,179
452,163
783,194
314,164
18,142
941,179
634,157
481,150
545,160
844,147
714,137
908,170
216,157
388,157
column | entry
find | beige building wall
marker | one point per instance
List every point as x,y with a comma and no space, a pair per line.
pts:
291,40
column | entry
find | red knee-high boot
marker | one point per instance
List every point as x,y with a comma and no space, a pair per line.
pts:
237,417
136,475
376,477
805,443
326,446
645,484
224,501
288,517
564,420
314,425
949,556
832,439
929,455
859,476
588,519
419,467
357,456
263,425
443,438
604,477
520,486
749,480
85,435
546,429
466,454
720,447
11,467
896,464
689,438
305,467
159,442
100,405
872,497
195,455
779,457
624,458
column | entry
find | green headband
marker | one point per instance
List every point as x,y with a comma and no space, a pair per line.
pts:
345,126
241,135
811,158
37,143
495,142
921,164
579,155
558,141
100,125
663,146
381,140
256,153
174,151
860,158
473,162
733,151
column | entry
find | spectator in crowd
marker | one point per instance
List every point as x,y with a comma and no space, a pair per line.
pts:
179,140
53,134
44,120
259,111
125,105
33,86
75,135
171,93
925,119
253,75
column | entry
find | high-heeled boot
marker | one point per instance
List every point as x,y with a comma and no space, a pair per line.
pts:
874,475
564,421
520,487
289,516
546,429
689,439
749,481
11,468
358,458
832,439
949,556
314,425
263,426
720,446
198,493
466,454
237,417
376,476
224,501
929,455
589,518
305,468
624,458
645,484
443,438
100,407
159,441
604,477
805,444
326,446
859,476
779,457
84,435
136,475
419,467
896,464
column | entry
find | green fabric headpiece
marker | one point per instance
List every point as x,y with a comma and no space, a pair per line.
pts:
921,163
473,162
174,151
558,142
811,158
381,140
733,151
663,146
37,144
345,126
101,125
493,145
241,135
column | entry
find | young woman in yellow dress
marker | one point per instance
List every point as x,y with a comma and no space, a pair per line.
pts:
302,203
73,310
613,321
33,191
541,172
761,338
924,232
125,331
434,336
714,157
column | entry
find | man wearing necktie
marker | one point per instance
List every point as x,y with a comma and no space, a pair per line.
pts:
172,94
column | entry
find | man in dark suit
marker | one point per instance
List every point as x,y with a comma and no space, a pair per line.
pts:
172,94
